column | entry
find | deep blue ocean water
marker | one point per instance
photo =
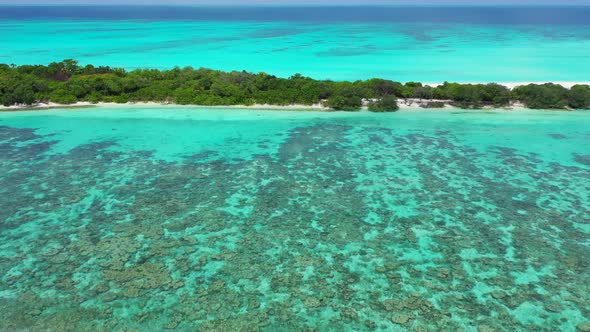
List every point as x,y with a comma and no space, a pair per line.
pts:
569,15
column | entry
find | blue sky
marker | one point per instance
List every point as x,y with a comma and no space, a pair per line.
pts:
303,2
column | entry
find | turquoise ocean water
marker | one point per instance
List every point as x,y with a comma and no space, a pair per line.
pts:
138,218
506,44
156,218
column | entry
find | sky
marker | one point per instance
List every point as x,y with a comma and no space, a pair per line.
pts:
299,2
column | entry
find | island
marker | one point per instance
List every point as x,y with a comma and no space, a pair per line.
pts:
68,83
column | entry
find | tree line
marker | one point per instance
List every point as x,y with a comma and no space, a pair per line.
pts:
66,82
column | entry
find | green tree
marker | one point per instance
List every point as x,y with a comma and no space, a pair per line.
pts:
469,96
183,96
408,89
496,94
423,92
385,104
342,103
579,96
62,96
382,88
545,96
67,82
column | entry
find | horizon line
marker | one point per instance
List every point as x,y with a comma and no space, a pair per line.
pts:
310,5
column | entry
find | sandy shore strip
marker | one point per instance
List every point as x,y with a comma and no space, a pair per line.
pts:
85,104
512,85
409,104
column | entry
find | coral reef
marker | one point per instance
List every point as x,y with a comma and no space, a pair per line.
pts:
343,228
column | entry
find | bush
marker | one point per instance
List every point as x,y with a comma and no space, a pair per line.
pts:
433,104
382,88
496,94
545,96
183,96
122,99
94,98
63,97
341,103
20,95
385,104
579,96
408,89
424,92
469,96
66,82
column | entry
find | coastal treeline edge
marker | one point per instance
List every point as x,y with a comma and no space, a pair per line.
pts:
66,82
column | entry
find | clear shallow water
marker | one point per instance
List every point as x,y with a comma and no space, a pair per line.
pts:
131,218
509,44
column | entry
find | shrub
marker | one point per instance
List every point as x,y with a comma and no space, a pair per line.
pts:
433,104
341,103
545,96
385,104
63,97
579,96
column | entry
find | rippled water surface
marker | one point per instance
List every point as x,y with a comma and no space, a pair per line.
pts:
180,218
427,44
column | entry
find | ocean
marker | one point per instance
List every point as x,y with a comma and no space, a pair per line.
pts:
428,44
182,218
125,218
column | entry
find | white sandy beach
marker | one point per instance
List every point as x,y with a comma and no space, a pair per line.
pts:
512,85
83,104
410,104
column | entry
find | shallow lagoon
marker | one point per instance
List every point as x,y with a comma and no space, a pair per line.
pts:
152,218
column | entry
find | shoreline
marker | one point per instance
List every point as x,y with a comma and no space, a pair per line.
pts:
403,103
86,104
409,104
512,85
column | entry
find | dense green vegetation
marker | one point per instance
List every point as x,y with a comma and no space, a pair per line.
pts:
66,82
385,104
